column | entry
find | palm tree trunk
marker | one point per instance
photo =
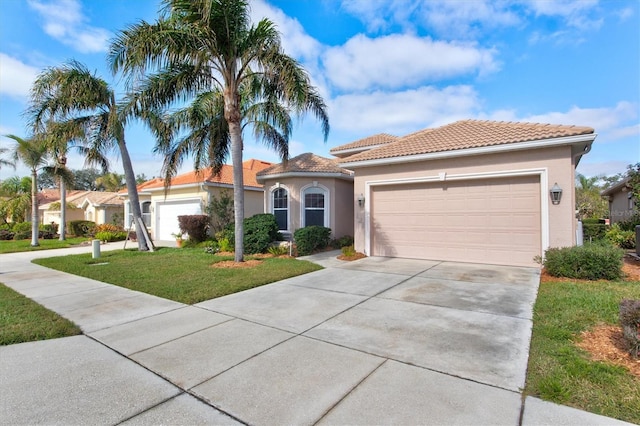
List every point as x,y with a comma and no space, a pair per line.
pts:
34,208
235,133
132,190
63,209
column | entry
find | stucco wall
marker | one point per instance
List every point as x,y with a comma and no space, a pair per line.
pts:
339,203
557,164
619,207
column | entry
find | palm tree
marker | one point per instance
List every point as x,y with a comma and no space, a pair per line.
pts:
200,46
71,93
4,162
15,200
111,182
32,153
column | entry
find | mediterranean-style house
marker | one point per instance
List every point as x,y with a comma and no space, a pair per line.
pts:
97,206
472,191
622,204
189,194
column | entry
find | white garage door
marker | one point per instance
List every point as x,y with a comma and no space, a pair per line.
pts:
167,216
494,221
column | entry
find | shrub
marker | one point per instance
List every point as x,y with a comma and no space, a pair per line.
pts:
344,241
220,211
21,227
81,228
630,322
259,231
224,244
620,238
211,247
107,227
311,238
195,225
349,251
594,231
49,227
588,262
21,235
6,235
108,236
631,223
46,235
278,250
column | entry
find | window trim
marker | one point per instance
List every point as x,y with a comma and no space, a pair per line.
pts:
327,202
272,190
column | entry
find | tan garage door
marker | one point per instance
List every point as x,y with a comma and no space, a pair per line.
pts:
494,221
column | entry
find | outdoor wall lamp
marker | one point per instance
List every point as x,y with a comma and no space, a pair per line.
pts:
556,194
361,200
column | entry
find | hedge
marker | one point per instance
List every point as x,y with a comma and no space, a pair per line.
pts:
311,238
587,262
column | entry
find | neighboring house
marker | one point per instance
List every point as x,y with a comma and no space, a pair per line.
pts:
622,204
97,206
470,191
309,190
190,194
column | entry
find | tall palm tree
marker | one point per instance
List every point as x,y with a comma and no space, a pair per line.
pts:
111,182
33,153
209,46
15,199
72,93
3,162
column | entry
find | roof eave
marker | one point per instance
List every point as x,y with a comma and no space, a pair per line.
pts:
574,141
615,188
351,151
304,174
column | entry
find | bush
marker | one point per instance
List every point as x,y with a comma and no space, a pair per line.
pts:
630,322
348,251
311,238
338,243
49,227
46,235
108,227
6,235
211,247
259,231
196,226
21,227
81,228
631,223
278,250
620,238
588,262
21,235
108,236
220,211
593,231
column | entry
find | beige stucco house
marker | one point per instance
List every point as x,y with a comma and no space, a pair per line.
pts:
622,204
97,206
309,190
190,194
472,191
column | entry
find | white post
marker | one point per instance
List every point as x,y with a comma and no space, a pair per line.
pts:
96,249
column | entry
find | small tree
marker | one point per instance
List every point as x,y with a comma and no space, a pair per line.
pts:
220,210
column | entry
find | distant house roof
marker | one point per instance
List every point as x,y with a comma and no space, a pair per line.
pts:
80,198
206,176
304,165
360,145
467,134
616,187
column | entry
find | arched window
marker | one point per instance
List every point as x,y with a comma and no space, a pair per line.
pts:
280,207
314,206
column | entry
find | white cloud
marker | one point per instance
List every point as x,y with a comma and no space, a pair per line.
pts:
625,13
402,60
575,13
599,168
402,112
16,77
64,21
601,119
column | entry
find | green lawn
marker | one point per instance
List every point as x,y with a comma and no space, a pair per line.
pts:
12,246
184,275
558,370
23,320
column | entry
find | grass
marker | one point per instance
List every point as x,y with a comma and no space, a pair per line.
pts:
11,246
184,275
561,372
23,320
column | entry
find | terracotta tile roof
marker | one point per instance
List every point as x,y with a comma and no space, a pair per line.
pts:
375,140
250,167
77,197
305,163
468,134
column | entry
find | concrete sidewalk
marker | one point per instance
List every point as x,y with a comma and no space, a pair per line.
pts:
377,341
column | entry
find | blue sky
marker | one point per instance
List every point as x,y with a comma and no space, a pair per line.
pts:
393,66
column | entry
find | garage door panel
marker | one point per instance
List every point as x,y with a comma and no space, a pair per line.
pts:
167,216
492,220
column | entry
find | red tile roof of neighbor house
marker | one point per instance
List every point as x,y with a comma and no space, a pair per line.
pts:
305,163
467,134
77,197
250,168
379,139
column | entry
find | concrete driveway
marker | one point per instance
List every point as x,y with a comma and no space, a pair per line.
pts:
376,341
